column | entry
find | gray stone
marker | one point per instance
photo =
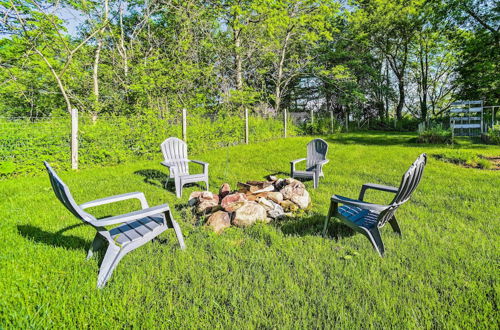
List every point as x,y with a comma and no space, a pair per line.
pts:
219,221
248,214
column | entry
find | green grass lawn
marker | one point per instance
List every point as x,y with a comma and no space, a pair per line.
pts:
443,272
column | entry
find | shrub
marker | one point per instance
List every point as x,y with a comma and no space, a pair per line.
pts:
115,139
435,135
322,126
493,135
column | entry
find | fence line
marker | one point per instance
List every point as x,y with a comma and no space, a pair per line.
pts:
80,140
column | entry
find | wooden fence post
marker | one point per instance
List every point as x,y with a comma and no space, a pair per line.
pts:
74,138
246,126
184,124
285,120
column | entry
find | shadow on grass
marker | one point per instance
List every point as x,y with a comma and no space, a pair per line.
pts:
375,138
159,179
55,239
154,177
275,173
313,225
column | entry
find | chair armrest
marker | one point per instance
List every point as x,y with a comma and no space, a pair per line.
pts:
204,164
131,216
358,203
375,186
297,161
139,195
167,164
292,164
198,162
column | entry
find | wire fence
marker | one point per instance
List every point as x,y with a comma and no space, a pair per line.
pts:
112,139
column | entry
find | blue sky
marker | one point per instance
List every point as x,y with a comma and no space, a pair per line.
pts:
73,18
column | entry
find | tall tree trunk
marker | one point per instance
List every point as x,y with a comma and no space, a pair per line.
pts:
424,71
401,100
238,60
95,77
279,77
58,79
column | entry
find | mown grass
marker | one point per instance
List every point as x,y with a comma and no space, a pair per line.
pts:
443,273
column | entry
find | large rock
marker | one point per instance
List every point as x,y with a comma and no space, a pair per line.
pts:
207,203
303,200
219,221
292,189
295,182
275,196
248,214
224,190
232,202
194,198
273,210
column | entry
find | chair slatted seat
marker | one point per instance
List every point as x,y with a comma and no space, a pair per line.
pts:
135,228
368,218
176,160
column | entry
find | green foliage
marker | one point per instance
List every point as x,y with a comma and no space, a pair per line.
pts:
493,135
436,134
116,139
465,158
322,125
441,274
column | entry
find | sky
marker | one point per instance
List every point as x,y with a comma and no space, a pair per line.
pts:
72,18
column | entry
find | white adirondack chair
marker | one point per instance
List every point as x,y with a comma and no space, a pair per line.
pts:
175,154
134,229
316,158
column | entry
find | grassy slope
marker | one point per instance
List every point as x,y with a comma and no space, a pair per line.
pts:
443,273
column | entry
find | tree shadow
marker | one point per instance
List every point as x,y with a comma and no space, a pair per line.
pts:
375,138
275,173
312,225
56,239
161,180
156,178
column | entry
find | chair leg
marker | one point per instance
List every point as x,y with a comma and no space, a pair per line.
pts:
178,233
112,257
374,236
395,226
96,245
178,187
328,216
206,182
316,179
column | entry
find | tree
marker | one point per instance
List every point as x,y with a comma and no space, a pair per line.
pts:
390,27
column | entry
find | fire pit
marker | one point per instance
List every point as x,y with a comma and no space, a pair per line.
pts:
253,201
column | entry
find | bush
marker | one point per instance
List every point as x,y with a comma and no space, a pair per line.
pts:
115,139
407,124
435,135
493,135
322,126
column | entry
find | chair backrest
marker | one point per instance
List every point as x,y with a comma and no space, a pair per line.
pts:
175,151
409,183
316,151
64,195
